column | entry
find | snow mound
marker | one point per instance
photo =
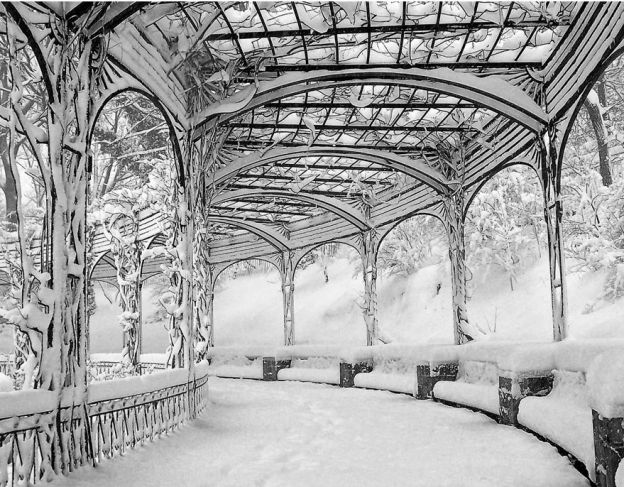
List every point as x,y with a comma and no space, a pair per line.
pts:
6,383
605,381
619,475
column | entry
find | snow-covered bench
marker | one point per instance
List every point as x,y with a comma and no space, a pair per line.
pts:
477,384
403,368
565,416
236,362
309,363
543,388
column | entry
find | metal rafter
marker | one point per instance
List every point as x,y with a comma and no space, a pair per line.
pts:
264,232
494,94
416,169
333,205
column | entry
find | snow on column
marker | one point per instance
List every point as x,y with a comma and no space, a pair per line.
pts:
69,62
208,149
204,294
122,231
181,342
454,221
13,228
368,251
550,173
287,272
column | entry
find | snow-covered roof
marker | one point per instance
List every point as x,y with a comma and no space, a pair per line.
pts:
333,114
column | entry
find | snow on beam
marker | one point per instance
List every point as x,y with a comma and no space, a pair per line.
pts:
492,93
333,205
115,13
262,231
135,69
416,169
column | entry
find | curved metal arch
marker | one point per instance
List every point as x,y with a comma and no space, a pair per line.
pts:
17,12
382,236
416,169
222,268
488,177
494,94
98,261
143,91
268,234
335,206
150,241
311,248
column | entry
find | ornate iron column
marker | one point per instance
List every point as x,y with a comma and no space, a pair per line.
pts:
70,62
550,172
204,282
287,272
368,250
454,222
122,230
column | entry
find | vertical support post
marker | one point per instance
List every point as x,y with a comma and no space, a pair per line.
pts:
57,308
204,283
122,231
608,448
550,172
188,231
209,324
181,330
454,216
287,272
368,252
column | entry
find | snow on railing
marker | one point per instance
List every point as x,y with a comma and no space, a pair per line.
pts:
121,414
7,364
108,366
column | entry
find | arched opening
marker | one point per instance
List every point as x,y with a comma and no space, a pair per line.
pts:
105,334
592,182
414,284
22,206
132,173
248,305
154,318
507,256
328,296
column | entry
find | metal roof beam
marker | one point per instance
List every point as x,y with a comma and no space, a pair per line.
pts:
415,169
386,28
494,94
266,233
332,205
365,128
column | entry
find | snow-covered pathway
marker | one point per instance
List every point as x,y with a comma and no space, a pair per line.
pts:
296,435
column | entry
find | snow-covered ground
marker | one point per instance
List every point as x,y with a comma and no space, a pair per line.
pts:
294,434
248,310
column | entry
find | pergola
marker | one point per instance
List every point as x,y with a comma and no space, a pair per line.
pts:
293,125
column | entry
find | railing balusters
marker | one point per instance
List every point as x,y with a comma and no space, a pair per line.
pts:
115,426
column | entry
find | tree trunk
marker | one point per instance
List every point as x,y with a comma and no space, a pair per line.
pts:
594,109
9,188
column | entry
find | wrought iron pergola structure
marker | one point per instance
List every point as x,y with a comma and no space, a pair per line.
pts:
293,125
